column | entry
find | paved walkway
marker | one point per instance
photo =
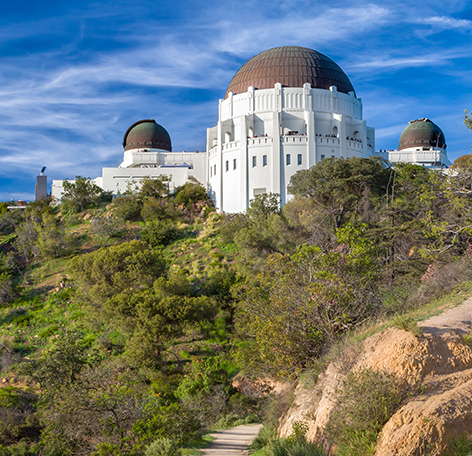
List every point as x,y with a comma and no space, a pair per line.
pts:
232,442
457,319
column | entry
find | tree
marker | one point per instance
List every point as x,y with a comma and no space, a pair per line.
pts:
156,187
191,193
463,162
257,235
124,268
79,194
52,241
300,303
340,187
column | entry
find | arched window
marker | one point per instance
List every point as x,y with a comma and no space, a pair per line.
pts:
227,137
335,131
250,132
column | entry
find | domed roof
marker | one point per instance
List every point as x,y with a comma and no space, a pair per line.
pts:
292,66
422,132
147,133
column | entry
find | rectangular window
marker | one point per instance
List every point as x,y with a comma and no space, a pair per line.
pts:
254,162
227,165
234,164
264,160
214,170
287,159
299,159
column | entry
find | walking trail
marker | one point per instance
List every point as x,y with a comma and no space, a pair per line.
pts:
233,442
457,319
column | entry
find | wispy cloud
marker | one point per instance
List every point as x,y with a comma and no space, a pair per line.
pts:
74,79
440,23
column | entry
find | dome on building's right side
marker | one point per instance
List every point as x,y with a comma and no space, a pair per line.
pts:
422,133
291,66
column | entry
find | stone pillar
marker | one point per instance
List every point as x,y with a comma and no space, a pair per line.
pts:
244,173
310,127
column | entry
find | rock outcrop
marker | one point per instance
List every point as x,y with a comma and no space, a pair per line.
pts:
438,368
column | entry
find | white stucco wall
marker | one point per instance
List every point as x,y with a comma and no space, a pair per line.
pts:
312,123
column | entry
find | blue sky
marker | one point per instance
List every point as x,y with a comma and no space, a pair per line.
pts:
75,75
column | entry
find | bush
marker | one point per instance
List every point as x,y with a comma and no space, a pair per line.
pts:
159,209
128,207
163,447
461,445
367,401
105,227
190,193
264,438
285,447
407,324
8,290
158,234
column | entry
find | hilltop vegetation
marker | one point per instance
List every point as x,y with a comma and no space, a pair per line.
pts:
124,323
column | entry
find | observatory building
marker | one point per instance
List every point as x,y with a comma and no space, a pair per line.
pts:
285,109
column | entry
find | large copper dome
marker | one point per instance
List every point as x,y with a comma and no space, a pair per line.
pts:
292,66
422,133
147,134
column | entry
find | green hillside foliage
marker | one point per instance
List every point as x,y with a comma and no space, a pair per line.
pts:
133,326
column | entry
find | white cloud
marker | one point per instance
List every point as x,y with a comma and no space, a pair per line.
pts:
440,23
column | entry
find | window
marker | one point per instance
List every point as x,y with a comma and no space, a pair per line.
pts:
264,160
322,157
287,159
299,159
227,165
211,172
234,164
254,162
214,170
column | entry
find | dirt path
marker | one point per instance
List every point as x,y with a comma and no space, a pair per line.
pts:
232,442
458,319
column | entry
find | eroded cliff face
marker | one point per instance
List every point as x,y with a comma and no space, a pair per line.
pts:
438,368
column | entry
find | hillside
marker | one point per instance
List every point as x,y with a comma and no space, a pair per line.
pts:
134,326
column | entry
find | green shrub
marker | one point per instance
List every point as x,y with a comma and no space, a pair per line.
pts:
104,227
190,193
461,445
128,207
285,447
367,401
158,233
163,447
159,209
408,324
264,438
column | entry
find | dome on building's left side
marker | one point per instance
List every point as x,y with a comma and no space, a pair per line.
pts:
147,133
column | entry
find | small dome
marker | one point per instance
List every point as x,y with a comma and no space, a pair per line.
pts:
422,133
147,133
291,66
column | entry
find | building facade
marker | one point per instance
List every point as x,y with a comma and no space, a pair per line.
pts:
285,110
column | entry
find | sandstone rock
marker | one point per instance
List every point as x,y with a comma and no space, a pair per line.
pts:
436,365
